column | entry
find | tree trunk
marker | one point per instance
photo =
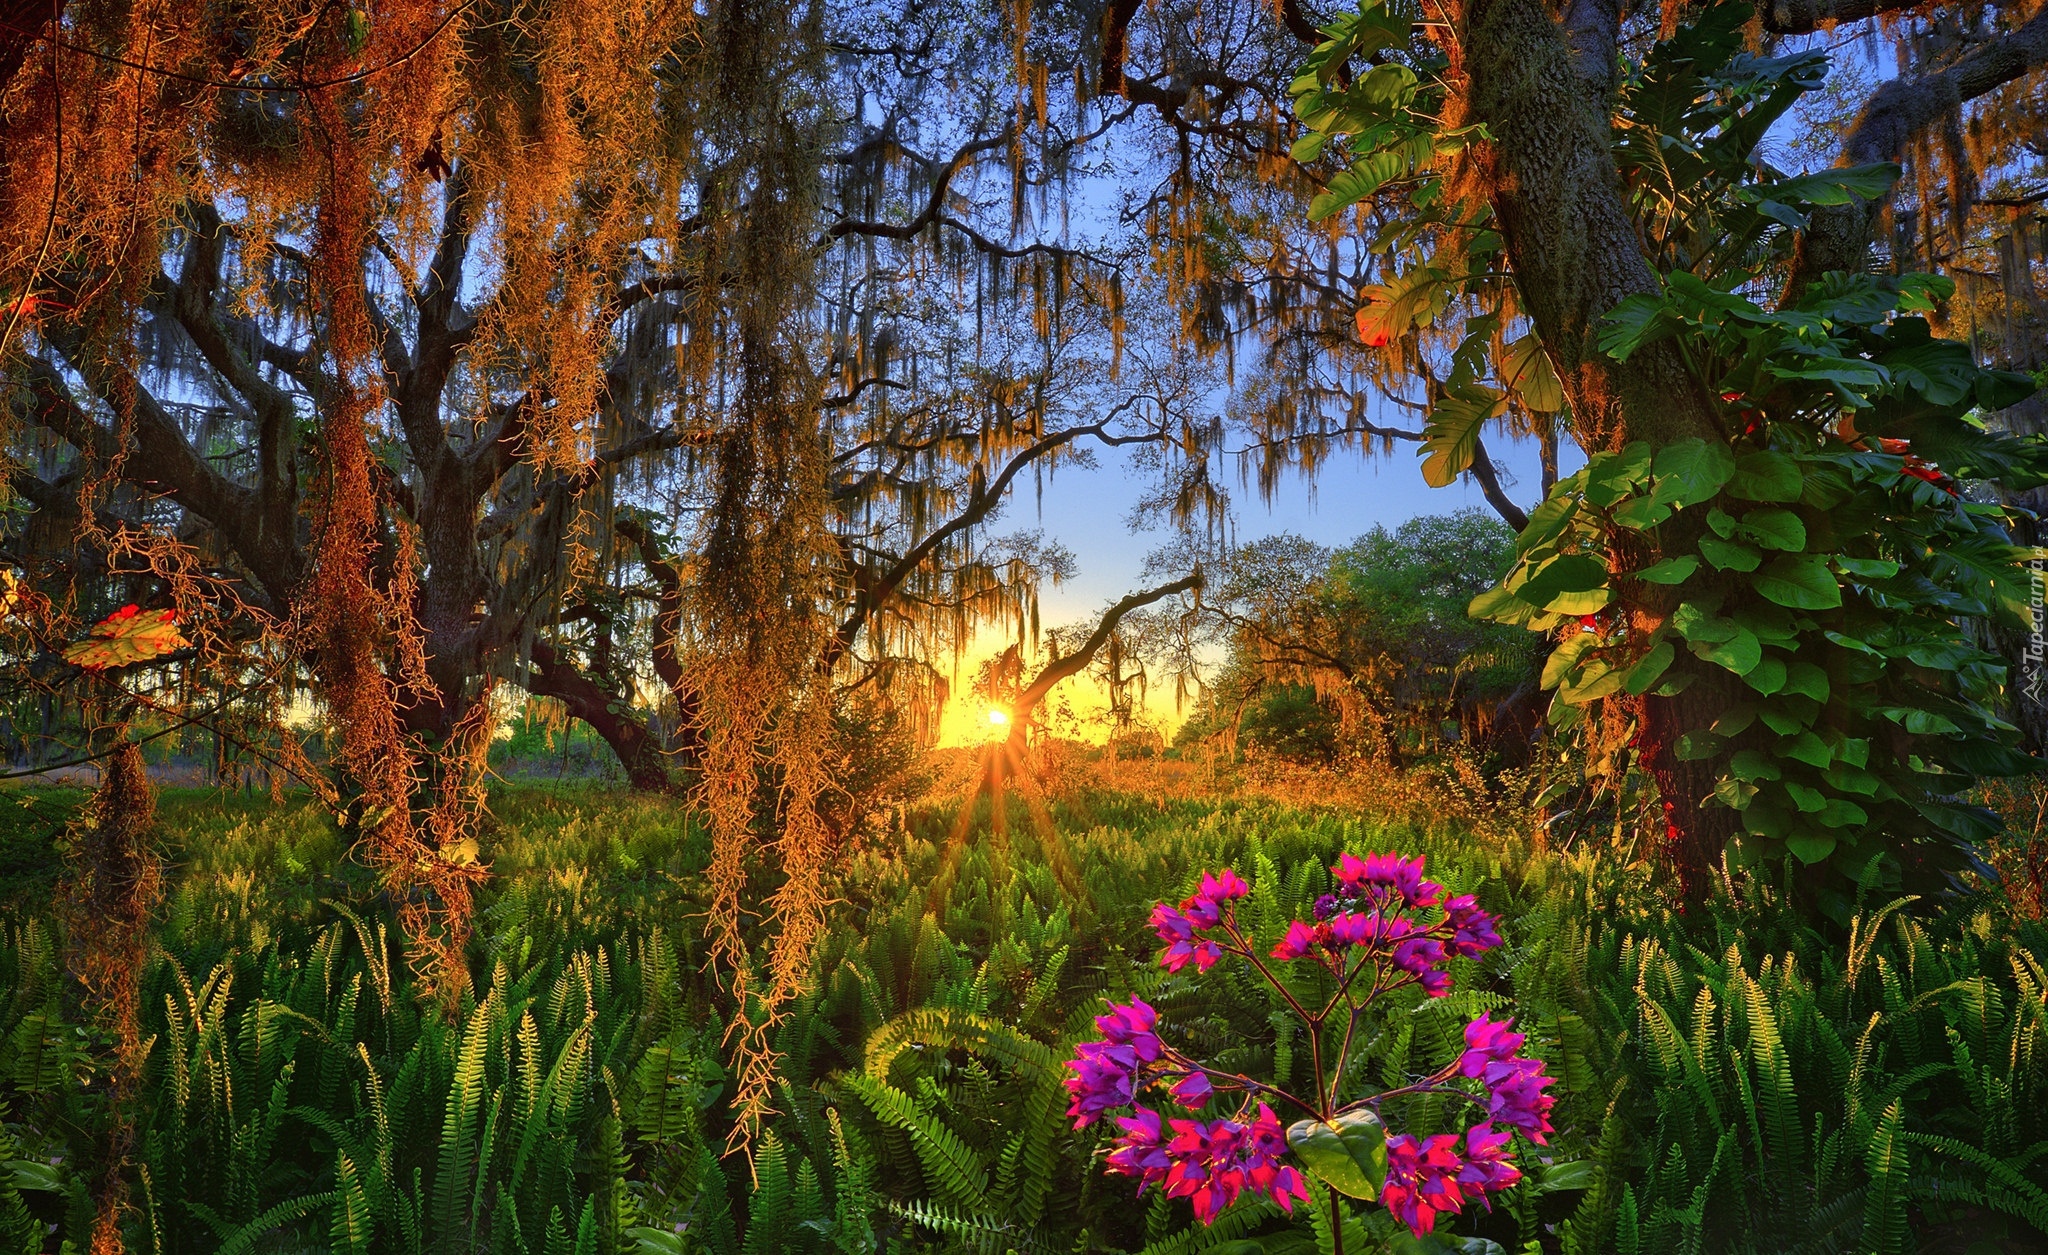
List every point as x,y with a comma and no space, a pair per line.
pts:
1542,90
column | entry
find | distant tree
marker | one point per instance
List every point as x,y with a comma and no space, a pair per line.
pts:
1376,635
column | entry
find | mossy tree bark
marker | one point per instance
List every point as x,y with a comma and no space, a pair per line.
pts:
1543,88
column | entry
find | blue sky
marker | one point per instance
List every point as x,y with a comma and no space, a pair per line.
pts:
1085,509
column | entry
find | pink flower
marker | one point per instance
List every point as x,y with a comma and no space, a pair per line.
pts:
1262,1151
1182,935
1204,1167
1473,931
1222,886
1141,1151
1417,955
1372,930
1203,953
1517,1097
1193,1090
1488,1168
1422,1180
1202,912
1423,958
1300,939
1487,1040
1131,1025
1378,874
1105,1077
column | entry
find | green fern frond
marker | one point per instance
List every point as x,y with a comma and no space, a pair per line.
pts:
245,1238
950,1164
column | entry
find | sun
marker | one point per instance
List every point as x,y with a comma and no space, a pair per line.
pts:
998,716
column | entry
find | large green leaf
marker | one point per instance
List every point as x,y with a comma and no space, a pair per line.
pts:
1573,583
1527,372
1765,475
1691,471
1800,581
1348,1154
1833,186
1453,432
1366,175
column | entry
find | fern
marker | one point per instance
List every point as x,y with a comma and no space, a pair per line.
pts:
977,1234
1884,1209
948,1161
351,1230
246,1237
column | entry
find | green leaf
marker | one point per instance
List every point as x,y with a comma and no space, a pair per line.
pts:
1453,431
1843,813
1811,847
1807,679
2003,389
1775,528
1573,583
1579,1174
1595,679
1670,570
1753,765
1767,677
1766,475
1391,308
1610,476
1366,175
1729,556
1739,653
1697,745
1833,186
1692,471
1348,1154
1565,658
1498,605
1808,748
1527,372
1799,581
1646,670
1867,568
1640,513
1697,625
1809,801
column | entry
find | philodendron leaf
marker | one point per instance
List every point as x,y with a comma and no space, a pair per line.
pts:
1670,570
1799,581
1775,528
1573,583
1348,1154
1647,669
1766,475
1693,470
1740,653
1579,1174
1526,369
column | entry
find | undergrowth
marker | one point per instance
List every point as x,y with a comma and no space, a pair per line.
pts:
1741,1080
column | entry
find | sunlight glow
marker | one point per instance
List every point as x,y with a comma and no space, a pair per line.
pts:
998,716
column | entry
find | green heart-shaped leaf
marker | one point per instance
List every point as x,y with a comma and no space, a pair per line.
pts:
1348,1154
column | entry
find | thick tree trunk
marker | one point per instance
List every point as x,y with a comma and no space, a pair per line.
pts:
1542,90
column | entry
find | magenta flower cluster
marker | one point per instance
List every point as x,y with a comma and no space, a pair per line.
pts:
1384,928
1434,1175
1369,912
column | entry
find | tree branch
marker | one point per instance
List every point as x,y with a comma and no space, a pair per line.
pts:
1076,662
1838,236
